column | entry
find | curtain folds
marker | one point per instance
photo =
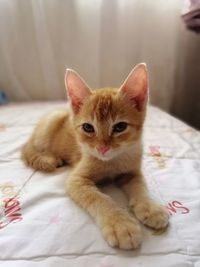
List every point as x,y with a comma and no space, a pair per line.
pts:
102,40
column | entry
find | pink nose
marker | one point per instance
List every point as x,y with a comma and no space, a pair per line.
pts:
103,149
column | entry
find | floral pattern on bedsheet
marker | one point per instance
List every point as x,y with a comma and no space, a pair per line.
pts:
10,207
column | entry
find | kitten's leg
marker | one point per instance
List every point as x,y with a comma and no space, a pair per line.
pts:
37,152
44,161
118,227
146,210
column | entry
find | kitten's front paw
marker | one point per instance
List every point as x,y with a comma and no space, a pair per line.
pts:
122,231
152,214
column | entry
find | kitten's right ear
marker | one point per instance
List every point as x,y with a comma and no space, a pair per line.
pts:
77,89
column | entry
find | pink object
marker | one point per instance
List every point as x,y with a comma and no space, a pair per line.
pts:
191,14
155,151
102,149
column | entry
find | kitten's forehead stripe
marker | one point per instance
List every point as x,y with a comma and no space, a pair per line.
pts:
104,107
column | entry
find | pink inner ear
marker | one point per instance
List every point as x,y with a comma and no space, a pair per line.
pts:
136,86
75,101
76,88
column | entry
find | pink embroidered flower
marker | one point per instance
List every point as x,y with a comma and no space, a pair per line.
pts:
55,219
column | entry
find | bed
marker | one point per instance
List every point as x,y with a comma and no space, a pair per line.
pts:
41,226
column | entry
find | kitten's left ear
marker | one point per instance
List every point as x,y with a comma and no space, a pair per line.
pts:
135,86
77,89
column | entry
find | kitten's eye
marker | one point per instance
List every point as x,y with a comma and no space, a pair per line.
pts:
120,127
88,128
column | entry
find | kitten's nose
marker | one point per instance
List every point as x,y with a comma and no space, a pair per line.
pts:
103,149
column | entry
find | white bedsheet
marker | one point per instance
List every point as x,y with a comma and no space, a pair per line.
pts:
41,226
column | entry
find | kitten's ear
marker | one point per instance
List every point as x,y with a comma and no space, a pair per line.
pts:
135,86
77,89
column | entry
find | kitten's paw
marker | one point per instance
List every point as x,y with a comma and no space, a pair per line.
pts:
46,163
152,214
122,231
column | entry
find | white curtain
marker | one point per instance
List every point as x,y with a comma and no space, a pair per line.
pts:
101,39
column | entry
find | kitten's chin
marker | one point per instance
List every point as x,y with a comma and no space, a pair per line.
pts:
103,158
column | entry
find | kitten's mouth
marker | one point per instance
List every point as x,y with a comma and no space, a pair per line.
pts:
106,156
103,157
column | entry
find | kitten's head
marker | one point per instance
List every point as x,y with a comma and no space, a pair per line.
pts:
108,121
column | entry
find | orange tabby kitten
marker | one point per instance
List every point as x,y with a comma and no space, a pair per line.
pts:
101,136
